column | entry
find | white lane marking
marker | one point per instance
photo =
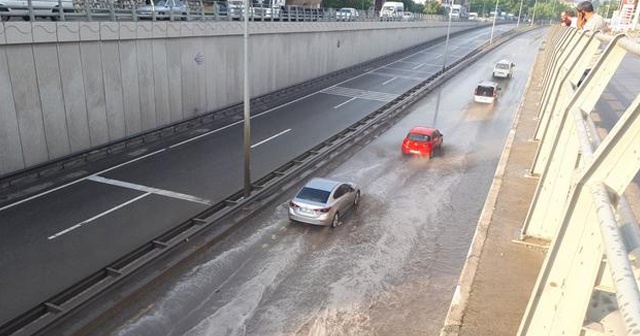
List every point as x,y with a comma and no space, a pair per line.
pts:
418,66
424,51
79,180
348,101
96,217
149,190
270,138
205,134
390,80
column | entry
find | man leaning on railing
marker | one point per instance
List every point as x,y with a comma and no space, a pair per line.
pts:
591,21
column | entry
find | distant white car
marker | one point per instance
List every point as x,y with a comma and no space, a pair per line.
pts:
503,69
408,16
41,8
347,14
163,9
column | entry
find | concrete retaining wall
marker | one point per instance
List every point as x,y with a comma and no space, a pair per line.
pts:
69,86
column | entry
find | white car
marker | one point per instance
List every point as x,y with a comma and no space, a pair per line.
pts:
503,69
347,14
408,16
164,9
41,8
486,92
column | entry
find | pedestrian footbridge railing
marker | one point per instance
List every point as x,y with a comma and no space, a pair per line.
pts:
589,281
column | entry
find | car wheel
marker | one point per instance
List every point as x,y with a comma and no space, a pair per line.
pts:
336,220
356,201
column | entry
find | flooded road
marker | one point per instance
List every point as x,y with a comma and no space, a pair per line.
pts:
390,269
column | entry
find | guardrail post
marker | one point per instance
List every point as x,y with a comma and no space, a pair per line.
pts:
60,11
112,12
32,16
87,7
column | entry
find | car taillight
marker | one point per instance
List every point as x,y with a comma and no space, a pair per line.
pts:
324,210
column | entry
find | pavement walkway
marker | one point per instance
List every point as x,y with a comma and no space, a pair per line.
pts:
500,272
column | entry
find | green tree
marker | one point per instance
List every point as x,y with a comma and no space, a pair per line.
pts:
357,4
432,7
607,8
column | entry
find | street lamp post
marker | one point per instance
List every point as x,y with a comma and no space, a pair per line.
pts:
533,17
446,43
247,111
495,16
519,14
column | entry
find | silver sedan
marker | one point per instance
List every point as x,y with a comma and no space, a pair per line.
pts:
323,202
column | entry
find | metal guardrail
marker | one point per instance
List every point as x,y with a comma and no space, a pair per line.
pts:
187,10
589,282
62,304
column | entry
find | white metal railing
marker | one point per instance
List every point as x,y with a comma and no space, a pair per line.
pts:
589,280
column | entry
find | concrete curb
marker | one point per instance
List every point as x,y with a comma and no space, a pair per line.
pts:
455,315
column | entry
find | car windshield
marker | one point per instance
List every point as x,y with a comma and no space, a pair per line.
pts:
502,66
418,137
486,91
314,195
344,11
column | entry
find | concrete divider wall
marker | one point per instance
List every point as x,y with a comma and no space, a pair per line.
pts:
69,86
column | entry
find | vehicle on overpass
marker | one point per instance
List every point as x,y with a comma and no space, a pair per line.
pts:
392,11
164,9
408,16
41,9
423,141
277,9
458,12
323,202
486,92
347,14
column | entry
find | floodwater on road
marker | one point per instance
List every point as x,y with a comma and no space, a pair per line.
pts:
390,269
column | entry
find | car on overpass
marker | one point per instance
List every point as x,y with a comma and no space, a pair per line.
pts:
41,9
347,14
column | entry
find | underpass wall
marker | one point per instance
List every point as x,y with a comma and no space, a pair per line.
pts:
66,87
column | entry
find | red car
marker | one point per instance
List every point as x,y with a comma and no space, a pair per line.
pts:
422,141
